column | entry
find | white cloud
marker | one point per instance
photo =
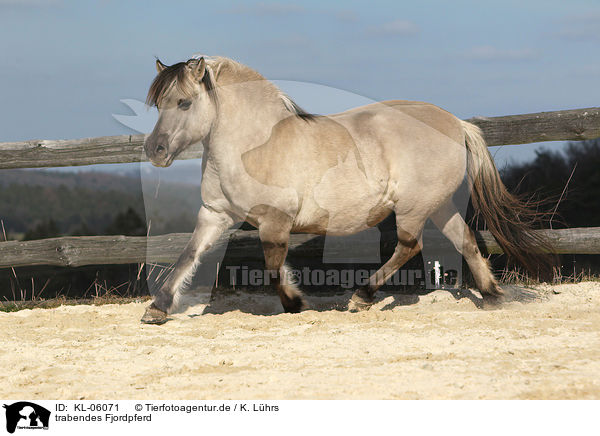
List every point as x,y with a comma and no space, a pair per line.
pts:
397,27
491,53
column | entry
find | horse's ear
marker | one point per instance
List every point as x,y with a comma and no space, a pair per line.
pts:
198,68
159,65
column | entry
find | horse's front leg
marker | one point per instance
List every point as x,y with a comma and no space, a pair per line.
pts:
274,236
209,227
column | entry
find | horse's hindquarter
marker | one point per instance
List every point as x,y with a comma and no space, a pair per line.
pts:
412,131
421,146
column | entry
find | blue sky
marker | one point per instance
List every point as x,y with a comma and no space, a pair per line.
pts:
67,64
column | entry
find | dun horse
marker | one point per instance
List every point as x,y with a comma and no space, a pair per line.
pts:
283,170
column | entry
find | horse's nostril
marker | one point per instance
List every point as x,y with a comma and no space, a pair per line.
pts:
160,149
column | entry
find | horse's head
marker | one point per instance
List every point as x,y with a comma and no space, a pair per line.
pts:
185,98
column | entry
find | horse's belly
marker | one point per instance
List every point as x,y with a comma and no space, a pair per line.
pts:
345,201
340,219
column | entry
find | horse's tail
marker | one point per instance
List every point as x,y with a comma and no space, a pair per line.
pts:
510,220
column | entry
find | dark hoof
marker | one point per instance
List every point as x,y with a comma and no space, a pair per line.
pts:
154,315
492,301
294,305
361,300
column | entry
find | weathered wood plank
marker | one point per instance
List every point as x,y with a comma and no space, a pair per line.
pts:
75,152
567,125
101,250
580,240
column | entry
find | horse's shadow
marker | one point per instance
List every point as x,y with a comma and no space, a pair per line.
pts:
267,303
411,299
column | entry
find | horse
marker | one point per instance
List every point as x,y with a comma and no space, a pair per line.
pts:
268,162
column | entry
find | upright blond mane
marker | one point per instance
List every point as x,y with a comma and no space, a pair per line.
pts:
226,71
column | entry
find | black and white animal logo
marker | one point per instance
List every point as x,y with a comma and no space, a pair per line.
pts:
26,415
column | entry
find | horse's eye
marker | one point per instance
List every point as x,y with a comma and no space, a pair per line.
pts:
184,104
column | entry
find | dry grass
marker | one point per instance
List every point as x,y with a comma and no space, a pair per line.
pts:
14,306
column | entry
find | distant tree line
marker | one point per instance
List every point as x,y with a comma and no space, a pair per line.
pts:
127,222
42,204
566,184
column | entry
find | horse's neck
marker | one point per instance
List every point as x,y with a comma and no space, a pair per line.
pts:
245,120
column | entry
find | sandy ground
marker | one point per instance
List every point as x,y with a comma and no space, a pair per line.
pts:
435,346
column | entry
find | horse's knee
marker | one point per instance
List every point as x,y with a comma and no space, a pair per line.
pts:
470,250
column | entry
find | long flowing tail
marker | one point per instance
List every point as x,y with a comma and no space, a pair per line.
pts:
510,220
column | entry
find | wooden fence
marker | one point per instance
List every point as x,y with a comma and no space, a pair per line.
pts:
568,125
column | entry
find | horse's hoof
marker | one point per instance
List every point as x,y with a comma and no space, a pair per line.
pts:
492,301
154,315
295,305
360,301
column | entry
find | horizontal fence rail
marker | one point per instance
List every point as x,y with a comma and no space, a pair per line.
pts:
76,152
75,251
566,125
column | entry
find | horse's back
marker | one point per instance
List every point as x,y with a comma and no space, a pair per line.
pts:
410,118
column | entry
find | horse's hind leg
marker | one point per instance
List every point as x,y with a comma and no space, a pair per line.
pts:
274,237
209,227
408,246
453,226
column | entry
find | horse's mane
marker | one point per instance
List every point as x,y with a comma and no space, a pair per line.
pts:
223,71
174,75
